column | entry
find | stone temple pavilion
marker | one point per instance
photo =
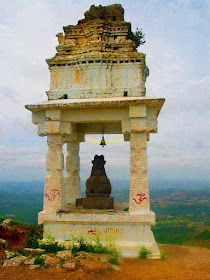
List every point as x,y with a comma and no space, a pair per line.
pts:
97,84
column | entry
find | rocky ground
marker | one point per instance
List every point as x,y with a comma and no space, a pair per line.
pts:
181,262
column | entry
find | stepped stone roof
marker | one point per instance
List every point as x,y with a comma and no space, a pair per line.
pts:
102,30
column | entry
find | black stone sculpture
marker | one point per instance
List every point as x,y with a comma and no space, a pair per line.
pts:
98,188
98,185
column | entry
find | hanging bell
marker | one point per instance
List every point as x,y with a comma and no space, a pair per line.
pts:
103,142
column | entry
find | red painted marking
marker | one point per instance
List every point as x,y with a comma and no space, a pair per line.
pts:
92,231
52,196
142,197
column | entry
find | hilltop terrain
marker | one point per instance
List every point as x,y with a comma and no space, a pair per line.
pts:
182,218
181,263
182,211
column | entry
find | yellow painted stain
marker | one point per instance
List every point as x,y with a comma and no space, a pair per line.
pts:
54,79
78,77
51,127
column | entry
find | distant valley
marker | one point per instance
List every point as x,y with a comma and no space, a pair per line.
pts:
182,211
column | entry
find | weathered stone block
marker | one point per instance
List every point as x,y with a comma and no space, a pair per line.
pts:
54,181
35,118
151,113
54,160
152,125
41,129
52,127
137,111
73,147
56,140
138,140
66,128
72,180
127,137
72,163
72,193
95,202
38,117
138,165
138,125
139,200
139,179
126,126
53,115
54,199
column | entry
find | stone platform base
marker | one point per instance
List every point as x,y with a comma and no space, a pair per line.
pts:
128,232
95,202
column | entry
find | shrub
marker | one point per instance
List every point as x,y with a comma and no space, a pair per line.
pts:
39,261
2,219
143,254
32,237
2,257
100,249
83,245
3,243
114,259
163,255
52,247
15,230
19,249
13,223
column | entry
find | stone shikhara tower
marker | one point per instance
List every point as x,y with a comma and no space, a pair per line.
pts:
97,83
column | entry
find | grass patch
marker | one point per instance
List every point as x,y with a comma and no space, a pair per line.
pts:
96,248
143,253
33,236
2,219
3,243
52,247
19,249
39,261
163,255
14,223
114,259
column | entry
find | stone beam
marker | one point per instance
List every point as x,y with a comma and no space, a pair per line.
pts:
96,128
95,115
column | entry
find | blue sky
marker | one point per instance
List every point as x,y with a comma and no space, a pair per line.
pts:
177,48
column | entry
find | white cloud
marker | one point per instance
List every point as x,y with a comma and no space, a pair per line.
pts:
177,55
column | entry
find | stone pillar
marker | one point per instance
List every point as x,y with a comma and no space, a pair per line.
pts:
139,185
54,190
72,183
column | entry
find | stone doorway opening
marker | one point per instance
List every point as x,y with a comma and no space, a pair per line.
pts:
116,153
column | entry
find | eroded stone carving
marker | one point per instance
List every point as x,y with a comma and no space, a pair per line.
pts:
98,185
98,188
109,21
